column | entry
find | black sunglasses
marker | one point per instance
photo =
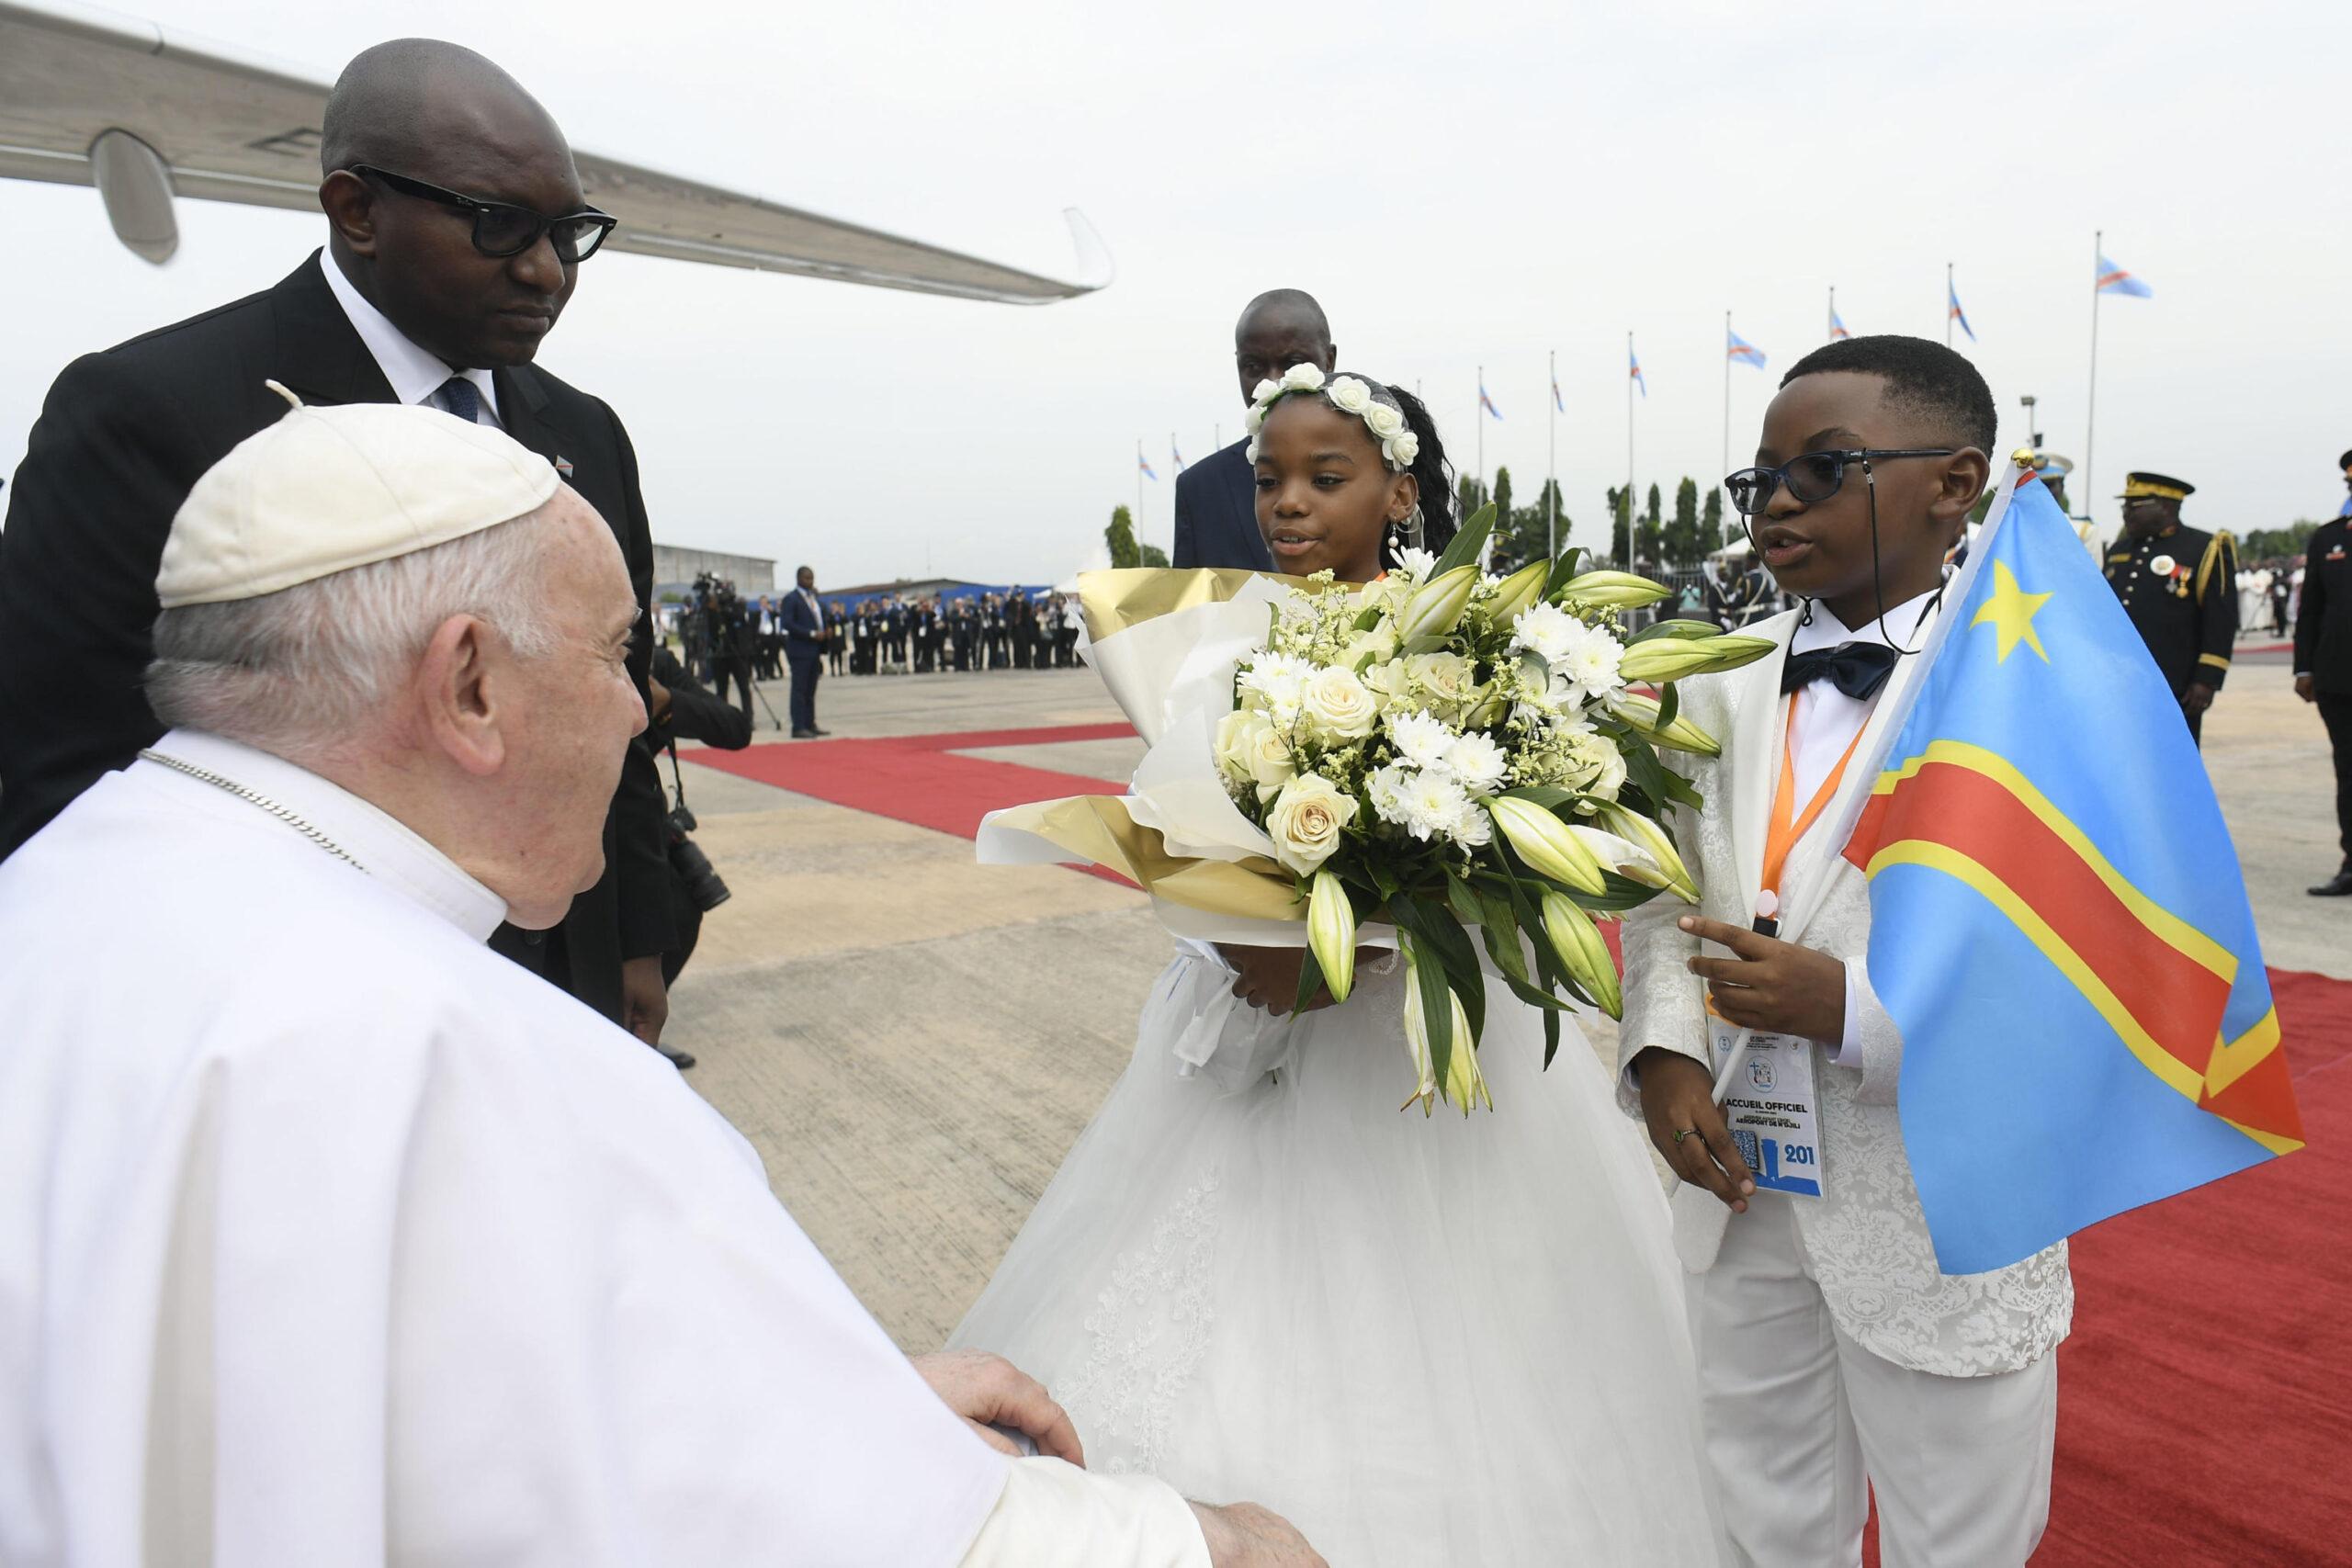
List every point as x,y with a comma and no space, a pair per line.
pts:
502,228
1815,476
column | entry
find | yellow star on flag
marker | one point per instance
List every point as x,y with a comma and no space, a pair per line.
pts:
2011,610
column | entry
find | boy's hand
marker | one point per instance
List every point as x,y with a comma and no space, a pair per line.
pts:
1679,1107
1771,984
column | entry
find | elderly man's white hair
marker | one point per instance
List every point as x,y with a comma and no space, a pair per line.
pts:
296,671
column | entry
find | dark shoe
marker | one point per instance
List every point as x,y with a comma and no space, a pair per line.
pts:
2337,887
805,734
678,1059
820,732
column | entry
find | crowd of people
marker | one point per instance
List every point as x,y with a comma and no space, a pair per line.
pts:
1018,629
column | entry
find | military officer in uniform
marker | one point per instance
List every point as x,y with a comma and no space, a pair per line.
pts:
2179,586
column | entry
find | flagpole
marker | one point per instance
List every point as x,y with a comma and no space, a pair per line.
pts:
1948,297
1629,460
1138,491
1552,459
1727,467
2090,404
1830,326
1479,414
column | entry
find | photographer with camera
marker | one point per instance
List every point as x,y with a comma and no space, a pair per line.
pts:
681,708
733,640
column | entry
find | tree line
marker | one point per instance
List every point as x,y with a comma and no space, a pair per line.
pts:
1693,531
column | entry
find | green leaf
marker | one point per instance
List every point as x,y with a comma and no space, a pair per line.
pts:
1461,900
1437,1015
1463,551
1310,980
1368,619
1443,938
1669,703
1551,1038
1499,927
1535,999
1551,797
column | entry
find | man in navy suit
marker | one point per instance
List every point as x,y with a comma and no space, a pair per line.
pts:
803,647
1217,498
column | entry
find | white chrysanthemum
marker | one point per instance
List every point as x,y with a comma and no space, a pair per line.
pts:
1280,679
1350,394
1303,378
1589,663
1434,806
1416,563
1478,761
1546,631
1475,830
1386,421
1385,788
1421,739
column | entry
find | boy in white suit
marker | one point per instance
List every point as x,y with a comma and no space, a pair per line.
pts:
1834,1357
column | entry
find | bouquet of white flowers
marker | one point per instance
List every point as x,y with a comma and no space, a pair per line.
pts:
1441,749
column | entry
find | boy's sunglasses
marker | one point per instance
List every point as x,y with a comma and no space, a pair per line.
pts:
502,228
1815,476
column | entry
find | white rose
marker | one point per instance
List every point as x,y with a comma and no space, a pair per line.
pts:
1337,703
1379,645
1401,450
1478,761
1303,378
1391,685
1447,678
1267,391
1237,735
1250,453
1306,821
1350,394
1384,421
1255,417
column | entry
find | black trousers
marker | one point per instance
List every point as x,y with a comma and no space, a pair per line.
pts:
737,668
2335,711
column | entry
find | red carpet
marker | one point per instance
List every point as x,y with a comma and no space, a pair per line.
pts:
2202,1419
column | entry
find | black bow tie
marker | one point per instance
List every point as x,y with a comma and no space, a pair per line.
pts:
1857,669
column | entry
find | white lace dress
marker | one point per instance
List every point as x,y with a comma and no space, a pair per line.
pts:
1425,1341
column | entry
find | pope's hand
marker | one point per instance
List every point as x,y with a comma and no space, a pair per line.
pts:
1679,1107
988,1390
1243,1535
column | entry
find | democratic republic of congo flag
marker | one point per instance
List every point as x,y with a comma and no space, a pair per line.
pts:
2058,925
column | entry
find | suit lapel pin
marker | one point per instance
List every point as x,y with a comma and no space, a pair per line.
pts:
563,467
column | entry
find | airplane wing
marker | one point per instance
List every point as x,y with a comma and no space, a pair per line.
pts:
97,98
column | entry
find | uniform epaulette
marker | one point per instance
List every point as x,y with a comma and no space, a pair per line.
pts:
2214,549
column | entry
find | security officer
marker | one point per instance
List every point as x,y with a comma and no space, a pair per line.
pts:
2179,585
2324,663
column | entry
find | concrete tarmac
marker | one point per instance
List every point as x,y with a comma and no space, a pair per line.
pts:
912,1040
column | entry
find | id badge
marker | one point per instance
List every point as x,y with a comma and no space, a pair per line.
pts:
1772,1110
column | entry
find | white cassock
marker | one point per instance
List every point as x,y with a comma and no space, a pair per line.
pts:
328,1235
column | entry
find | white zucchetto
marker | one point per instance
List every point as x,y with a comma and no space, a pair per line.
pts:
325,490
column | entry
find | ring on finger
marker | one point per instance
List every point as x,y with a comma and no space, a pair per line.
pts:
1682,1132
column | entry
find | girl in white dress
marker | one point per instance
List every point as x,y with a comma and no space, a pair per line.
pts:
1425,1341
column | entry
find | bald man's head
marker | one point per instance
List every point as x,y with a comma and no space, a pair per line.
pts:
1281,328
423,110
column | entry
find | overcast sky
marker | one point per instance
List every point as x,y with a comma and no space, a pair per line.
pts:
1475,185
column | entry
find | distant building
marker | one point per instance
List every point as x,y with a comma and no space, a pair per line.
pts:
675,567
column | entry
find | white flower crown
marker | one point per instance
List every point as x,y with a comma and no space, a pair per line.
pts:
1349,394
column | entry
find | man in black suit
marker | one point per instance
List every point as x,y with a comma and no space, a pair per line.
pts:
1217,498
2323,664
803,647
422,295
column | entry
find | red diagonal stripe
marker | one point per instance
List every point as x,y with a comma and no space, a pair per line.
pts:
2176,1000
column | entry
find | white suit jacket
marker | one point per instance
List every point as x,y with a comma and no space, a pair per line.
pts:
1866,1240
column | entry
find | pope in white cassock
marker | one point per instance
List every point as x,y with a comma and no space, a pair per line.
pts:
329,1236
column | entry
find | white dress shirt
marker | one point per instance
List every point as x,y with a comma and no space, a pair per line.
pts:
1827,722
414,374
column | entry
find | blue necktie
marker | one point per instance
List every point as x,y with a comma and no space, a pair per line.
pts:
461,397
